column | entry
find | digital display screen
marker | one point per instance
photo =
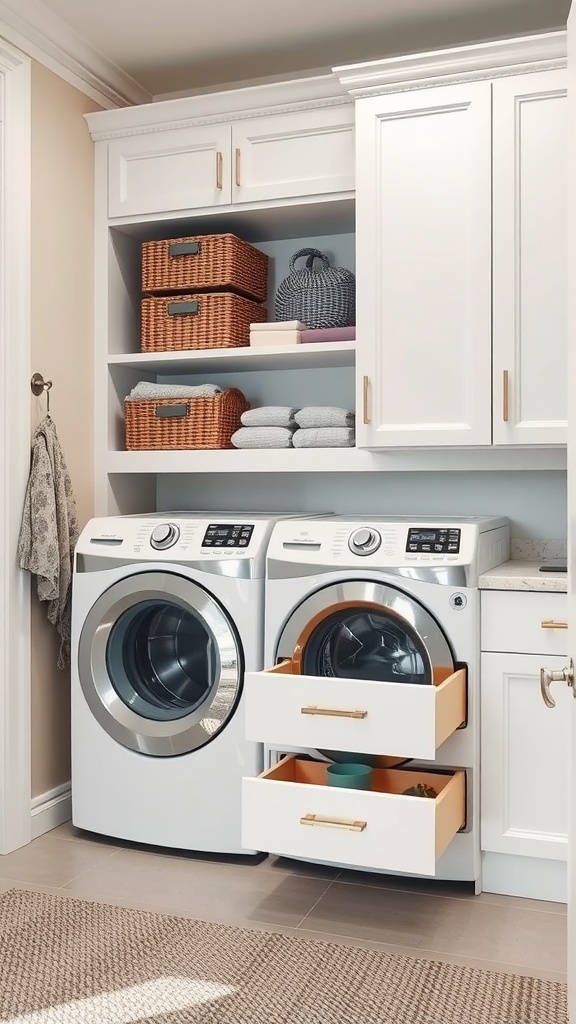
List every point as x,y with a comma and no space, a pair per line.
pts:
227,535
429,535
441,540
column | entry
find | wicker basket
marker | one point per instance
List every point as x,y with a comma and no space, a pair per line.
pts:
205,262
207,320
173,423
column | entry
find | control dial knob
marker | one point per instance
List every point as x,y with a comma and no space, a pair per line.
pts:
164,536
364,541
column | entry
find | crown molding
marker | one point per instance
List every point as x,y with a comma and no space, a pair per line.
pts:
228,105
465,63
48,39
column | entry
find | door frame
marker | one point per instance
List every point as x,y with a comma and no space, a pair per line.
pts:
15,371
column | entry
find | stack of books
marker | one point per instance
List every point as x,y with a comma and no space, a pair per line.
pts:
276,334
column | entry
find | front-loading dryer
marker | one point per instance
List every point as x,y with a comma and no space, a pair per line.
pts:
373,655
167,615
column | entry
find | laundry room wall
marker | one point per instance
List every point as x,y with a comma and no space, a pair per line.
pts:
62,350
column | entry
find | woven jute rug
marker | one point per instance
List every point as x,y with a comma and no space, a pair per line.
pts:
66,961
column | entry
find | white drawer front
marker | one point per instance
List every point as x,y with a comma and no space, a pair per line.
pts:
365,716
524,623
290,810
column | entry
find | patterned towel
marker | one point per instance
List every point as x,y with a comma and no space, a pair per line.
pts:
270,416
262,437
49,531
324,437
324,416
145,389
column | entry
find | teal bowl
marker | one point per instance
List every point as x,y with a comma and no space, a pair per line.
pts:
350,776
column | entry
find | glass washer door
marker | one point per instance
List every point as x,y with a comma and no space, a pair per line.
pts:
359,629
160,664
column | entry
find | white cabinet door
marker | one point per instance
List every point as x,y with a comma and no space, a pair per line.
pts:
530,269
179,169
423,223
525,748
305,153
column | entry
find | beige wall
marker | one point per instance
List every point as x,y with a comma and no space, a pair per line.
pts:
62,350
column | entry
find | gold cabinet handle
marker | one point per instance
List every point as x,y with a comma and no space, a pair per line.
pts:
365,409
218,170
552,624
317,819
313,709
505,395
237,168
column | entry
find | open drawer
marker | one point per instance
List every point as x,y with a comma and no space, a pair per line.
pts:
291,810
286,709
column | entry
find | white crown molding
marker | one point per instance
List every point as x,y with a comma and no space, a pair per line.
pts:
228,105
48,39
465,63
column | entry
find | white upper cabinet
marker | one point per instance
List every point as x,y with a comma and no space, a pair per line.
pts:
530,266
423,223
162,171
310,152
273,157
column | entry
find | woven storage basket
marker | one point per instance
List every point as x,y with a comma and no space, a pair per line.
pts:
172,423
204,320
205,262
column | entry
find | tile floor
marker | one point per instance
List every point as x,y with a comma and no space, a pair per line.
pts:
440,921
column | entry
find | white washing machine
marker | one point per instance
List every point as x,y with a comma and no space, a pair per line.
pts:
167,615
373,648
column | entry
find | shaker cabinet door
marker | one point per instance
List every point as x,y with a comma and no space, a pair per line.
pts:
179,169
530,269
423,222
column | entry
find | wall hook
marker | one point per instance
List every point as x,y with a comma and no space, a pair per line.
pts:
39,385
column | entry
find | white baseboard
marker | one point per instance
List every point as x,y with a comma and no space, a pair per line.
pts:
531,877
51,809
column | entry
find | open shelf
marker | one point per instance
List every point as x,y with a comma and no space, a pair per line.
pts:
290,357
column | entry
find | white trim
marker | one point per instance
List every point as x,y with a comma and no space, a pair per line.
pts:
460,64
50,40
51,809
530,877
227,105
15,448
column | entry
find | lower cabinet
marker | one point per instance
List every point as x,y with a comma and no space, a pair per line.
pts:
525,747
290,809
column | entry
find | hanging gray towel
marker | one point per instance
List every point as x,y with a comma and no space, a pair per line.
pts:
49,531
324,416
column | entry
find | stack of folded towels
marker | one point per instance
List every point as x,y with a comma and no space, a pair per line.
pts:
281,426
324,426
145,389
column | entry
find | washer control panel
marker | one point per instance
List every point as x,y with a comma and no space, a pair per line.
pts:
442,540
227,535
364,541
164,536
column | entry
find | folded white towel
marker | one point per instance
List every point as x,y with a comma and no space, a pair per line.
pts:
262,437
324,416
145,389
279,325
270,338
270,416
324,437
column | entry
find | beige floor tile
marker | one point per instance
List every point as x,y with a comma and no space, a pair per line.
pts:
211,891
424,954
77,835
483,931
439,887
52,861
299,867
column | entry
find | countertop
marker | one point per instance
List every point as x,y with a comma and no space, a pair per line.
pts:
521,574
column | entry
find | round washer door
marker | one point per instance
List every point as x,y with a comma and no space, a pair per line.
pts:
160,664
359,629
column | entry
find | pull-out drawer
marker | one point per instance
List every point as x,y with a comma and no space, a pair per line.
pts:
291,810
524,623
365,716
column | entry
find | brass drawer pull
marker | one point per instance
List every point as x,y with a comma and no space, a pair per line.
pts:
313,709
505,396
552,624
317,819
219,170
237,168
365,409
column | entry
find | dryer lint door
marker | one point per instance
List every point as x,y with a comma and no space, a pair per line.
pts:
160,664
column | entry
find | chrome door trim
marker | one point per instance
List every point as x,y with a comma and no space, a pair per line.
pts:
147,736
402,605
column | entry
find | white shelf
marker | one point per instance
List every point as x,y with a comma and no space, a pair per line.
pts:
226,360
334,460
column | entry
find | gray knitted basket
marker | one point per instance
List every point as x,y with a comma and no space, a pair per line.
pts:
318,298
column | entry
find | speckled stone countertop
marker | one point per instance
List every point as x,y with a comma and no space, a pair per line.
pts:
523,574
